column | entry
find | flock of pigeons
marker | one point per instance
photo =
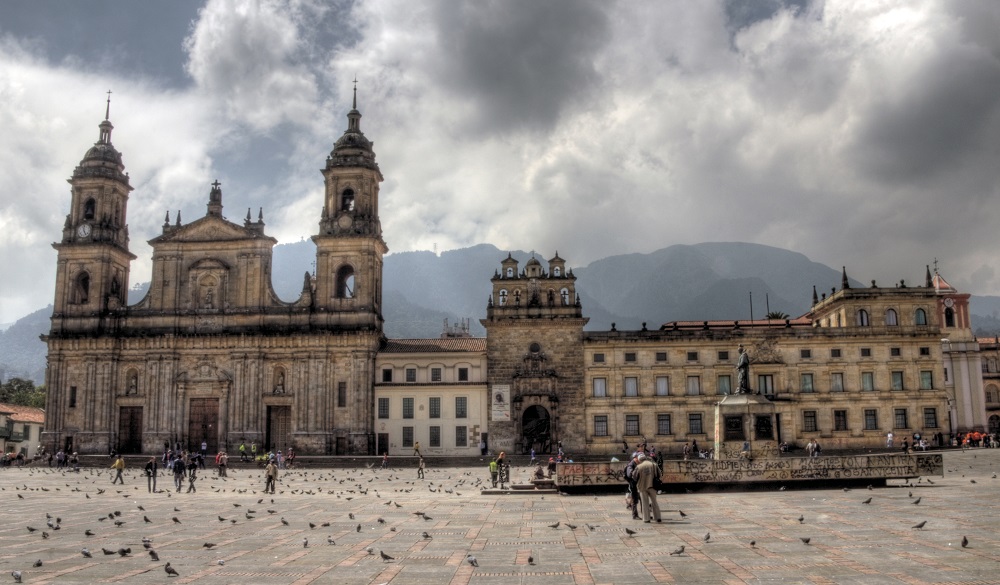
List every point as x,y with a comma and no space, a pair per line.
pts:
344,484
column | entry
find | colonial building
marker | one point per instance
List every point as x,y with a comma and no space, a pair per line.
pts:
20,429
211,353
991,382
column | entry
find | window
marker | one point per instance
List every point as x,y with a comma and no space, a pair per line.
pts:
411,375
564,296
895,352
341,394
805,353
662,385
897,380
632,425
461,407
72,396
867,381
992,394
663,424
806,383
930,418
949,317
434,407
631,386
502,297
461,436
863,320
899,419
435,374
693,386
692,356
765,384
347,200
81,291
925,351
598,358
926,380
891,319
387,374
407,408
920,317
835,352
345,283
694,424
434,436
866,352
809,421
630,357
725,385
556,271
407,436
600,425
89,207
661,356
723,356
600,387
383,408
463,374
836,382
871,419
840,420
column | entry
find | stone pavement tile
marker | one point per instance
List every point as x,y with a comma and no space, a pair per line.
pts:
850,542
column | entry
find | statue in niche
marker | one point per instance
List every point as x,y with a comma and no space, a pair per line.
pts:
279,385
743,372
209,296
133,385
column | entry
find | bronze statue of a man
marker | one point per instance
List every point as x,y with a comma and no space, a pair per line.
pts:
743,372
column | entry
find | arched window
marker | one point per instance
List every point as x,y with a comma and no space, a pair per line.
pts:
81,289
347,200
863,318
891,319
991,394
564,295
89,209
345,283
503,297
949,317
556,272
920,317
510,272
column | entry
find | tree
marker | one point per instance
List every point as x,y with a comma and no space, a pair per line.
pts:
21,392
777,316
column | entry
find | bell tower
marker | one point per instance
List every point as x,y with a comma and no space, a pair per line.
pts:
349,245
93,256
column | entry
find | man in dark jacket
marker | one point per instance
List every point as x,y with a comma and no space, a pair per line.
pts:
633,489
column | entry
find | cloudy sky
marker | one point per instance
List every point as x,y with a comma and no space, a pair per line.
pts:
858,133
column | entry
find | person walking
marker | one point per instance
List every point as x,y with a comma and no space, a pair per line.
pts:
503,469
178,469
633,489
420,468
192,474
385,460
888,440
533,460
204,451
494,469
253,451
416,449
270,476
119,467
646,473
243,452
151,469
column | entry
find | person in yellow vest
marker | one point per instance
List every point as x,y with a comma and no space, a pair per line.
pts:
119,467
494,468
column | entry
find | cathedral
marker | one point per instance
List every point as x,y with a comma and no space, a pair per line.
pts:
211,354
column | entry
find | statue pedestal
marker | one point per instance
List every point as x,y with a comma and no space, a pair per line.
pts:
746,427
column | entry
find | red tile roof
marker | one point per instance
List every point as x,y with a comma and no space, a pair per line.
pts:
466,344
26,414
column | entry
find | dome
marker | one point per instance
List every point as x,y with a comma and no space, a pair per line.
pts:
533,262
102,159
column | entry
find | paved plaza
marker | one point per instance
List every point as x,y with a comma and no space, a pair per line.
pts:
321,524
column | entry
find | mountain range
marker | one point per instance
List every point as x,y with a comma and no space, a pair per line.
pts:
423,290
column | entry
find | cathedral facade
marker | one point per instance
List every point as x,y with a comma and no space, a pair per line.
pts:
211,354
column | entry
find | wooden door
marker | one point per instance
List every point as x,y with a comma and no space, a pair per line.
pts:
279,427
203,424
130,429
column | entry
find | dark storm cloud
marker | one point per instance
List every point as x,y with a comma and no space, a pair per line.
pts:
521,62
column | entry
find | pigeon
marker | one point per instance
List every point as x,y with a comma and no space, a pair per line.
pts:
630,532
221,562
153,555
350,515
119,523
312,526
556,525
125,551
208,545
170,570
283,521
384,556
805,539
221,519
965,542
916,501
753,543
86,553
88,532
868,501
147,520
305,543
425,535
591,527
45,534
426,517
531,560
370,550
802,519
381,520
472,561
37,563
330,540
681,512
16,574
920,525
176,520
30,529
707,537
108,552
358,528
571,526
677,551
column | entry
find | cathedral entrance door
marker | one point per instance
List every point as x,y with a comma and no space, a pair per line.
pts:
130,430
535,429
203,424
279,427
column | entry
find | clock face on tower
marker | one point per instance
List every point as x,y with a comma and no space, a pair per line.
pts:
84,230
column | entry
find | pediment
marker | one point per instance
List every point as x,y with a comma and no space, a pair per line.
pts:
208,229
